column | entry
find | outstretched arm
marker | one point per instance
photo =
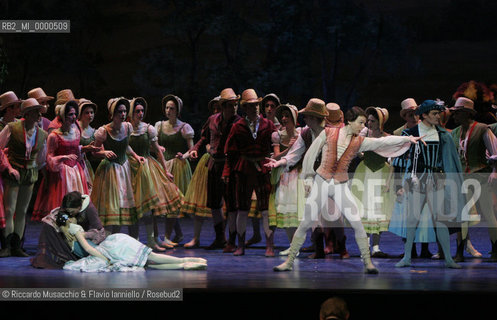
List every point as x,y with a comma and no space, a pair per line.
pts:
80,236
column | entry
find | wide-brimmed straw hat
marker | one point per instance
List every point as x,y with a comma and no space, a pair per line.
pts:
249,96
293,111
8,98
137,101
335,114
228,94
382,115
84,103
114,102
407,105
30,104
211,103
463,103
39,95
63,96
177,100
315,107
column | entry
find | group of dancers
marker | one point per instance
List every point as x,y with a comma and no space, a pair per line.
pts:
259,165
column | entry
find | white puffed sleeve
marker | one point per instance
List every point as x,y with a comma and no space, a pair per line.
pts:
75,228
187,131
101,134
152,133
275,138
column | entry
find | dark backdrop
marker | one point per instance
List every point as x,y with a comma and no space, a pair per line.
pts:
375,52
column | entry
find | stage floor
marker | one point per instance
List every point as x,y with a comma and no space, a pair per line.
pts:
230,278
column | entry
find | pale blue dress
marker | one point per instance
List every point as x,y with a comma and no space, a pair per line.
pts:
124,253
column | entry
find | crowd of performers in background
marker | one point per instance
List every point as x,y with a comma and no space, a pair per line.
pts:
258,165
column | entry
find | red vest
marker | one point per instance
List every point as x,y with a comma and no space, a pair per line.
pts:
330,168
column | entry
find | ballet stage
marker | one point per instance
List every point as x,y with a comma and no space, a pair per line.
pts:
246,287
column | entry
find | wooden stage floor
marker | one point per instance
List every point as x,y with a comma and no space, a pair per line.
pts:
246,287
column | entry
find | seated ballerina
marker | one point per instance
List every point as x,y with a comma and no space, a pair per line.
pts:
118,252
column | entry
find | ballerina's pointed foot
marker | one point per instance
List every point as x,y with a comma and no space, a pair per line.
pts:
194,266
403,263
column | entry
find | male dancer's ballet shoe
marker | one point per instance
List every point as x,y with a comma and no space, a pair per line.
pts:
294,249
403,263
471,250
285,253
6,252
193,244
194,266
363,245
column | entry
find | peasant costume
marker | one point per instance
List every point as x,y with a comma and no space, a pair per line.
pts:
87,137
286,202
112,191
196,194
64,175
369,178
150,181
174,143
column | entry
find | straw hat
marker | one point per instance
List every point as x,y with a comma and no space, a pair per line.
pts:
30,104
227,95
249,96
406,105
84,103
335,115
176,99
463,103
293,111
137,101
8,98
114,102
39,95
315,107
382,115
62,110
211,103
63,96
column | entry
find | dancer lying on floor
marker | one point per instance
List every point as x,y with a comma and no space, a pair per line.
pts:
118,252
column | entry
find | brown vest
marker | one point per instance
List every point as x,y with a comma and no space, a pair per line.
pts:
330,168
